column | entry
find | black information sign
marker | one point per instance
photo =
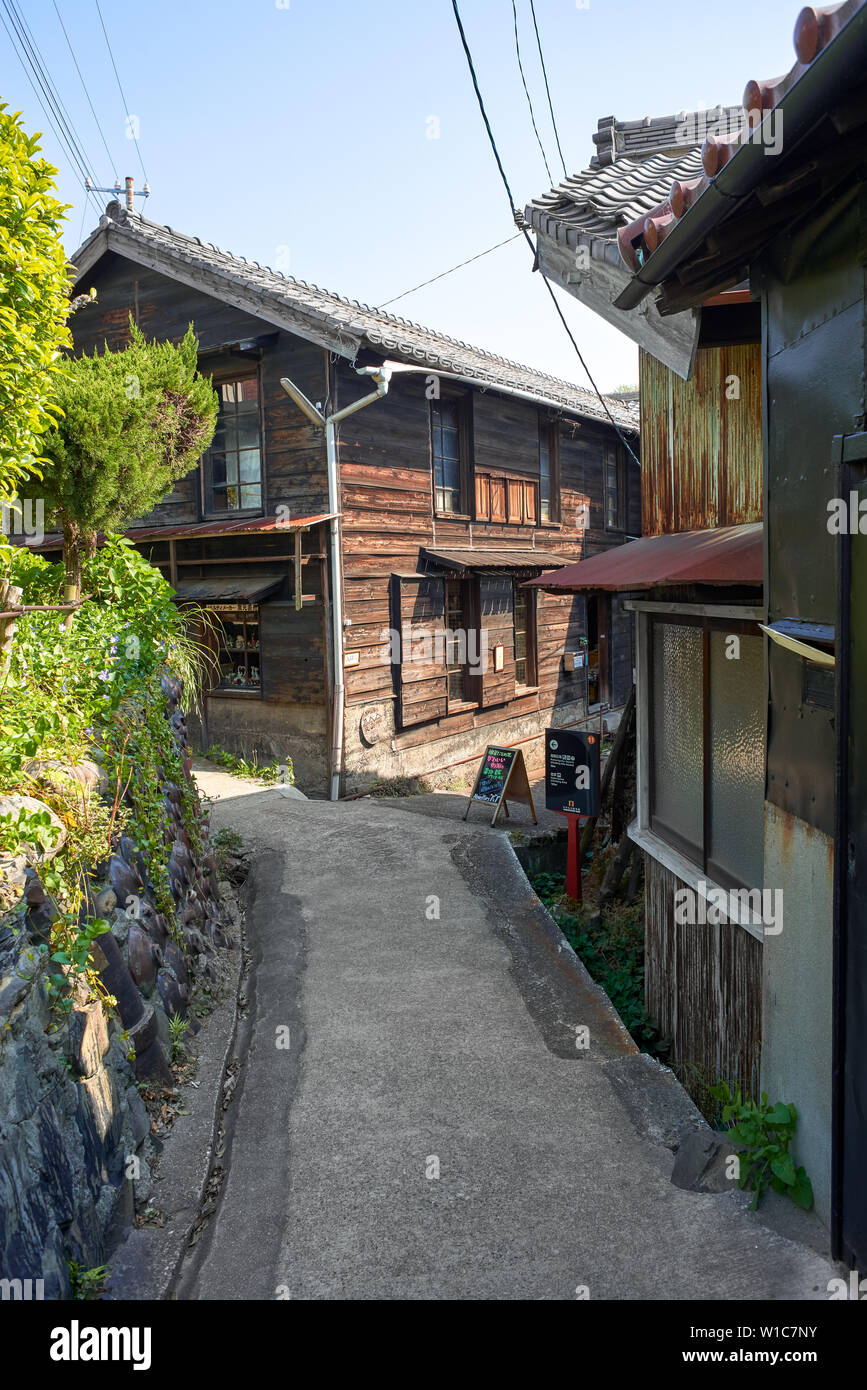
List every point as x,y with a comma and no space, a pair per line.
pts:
494,774
572,772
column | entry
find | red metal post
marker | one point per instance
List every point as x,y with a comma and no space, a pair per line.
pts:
574,886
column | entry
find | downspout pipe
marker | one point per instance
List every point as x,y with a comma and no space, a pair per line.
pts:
329,423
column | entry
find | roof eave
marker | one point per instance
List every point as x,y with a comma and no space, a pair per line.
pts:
805,102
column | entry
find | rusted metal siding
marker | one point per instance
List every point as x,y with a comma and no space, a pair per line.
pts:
701,441
703,990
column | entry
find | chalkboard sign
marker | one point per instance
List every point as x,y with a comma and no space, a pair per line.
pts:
572,772
503,770
494,774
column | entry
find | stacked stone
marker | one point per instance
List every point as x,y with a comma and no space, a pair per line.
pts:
75,1137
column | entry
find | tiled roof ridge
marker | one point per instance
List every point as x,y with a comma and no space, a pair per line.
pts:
814,30
121,216
649,135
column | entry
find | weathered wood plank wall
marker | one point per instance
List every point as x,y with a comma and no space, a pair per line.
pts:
703,990
701,441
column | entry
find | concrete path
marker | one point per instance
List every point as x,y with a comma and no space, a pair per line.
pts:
413,1119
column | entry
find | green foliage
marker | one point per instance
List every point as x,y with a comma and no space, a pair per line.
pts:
93,692
612,948
86,1283
764,1131
177,1031
34,303
133,422
400,786
269,773
27,830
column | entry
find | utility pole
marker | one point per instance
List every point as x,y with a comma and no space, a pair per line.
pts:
129,190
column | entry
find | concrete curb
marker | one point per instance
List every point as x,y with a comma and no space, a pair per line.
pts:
144,1266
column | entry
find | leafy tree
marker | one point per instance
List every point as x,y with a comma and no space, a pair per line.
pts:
34,304
133,422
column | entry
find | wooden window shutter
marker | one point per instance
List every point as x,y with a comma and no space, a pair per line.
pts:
498,499
483,496
496,622
531,492
422,678
516,500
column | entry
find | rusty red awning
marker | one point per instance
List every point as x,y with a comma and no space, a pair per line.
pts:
730,555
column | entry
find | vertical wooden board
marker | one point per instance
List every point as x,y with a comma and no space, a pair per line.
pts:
483,497
498,499
497,622
421,678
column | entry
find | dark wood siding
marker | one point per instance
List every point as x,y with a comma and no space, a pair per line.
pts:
388,517
419,617
703,987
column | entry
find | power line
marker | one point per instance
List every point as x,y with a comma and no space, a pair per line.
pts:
548,89
28,55
111,162
55,113
444,273
519,220
120,88
527,93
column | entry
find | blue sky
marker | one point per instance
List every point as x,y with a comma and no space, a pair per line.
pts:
341,141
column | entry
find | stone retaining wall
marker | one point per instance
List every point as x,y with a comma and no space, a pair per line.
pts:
75,1141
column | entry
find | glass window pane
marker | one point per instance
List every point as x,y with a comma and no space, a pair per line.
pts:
248,431
452,474
218,473
249,466
251,497
737,758
676,734
248,390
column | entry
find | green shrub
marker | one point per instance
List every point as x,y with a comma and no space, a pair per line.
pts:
764,1131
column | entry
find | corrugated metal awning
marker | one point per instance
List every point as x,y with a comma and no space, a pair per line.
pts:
461,560
255,525
730,555
222,589
196,530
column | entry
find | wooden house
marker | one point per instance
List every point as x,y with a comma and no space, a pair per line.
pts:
366,564
778,207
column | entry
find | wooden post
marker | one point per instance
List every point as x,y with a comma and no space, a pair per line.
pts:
620,739
299,598
10,597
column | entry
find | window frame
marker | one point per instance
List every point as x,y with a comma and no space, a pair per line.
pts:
531,653
706,623
549,433
233,376
612,458
461,400
250,614
458,668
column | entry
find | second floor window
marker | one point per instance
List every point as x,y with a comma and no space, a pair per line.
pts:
548,469
233,464
613,501
446,445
